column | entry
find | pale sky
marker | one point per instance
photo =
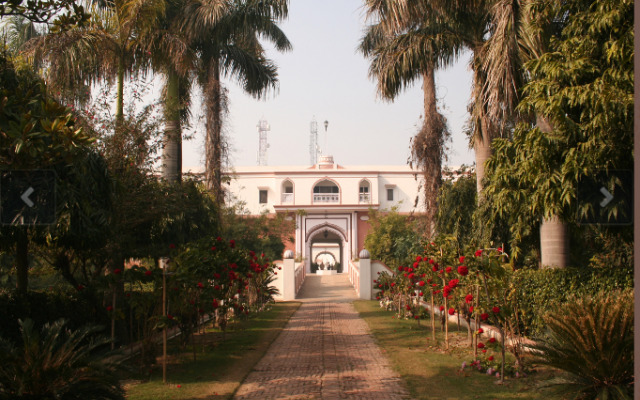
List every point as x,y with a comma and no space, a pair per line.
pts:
326,77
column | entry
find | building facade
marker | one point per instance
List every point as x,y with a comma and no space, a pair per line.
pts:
329,202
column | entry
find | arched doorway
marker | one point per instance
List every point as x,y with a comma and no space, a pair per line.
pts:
327,242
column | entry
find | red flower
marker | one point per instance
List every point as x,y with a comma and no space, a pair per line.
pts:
215,303
393,284
484,316
411,275
172,246
490,358
453,283
463,270
420,294
377,297
416,264
492,340
401,268
117,271
481,345
478,253
421,283
471,309
446,291
499,249
468,298
418,258
219,239
416,316
441,308
200,285
480,330
252,253
80,287
435,268
213,248
431,261
408,307
148,272
496,309
169,316
461,259
452,311
178,386
448,270
232,243
484,351
109,308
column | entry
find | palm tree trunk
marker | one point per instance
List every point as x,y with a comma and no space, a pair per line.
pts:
427,148
482,134
554,233
213,141
482,147
172,143
120,93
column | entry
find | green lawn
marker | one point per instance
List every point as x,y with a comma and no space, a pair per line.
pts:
219,370
433,373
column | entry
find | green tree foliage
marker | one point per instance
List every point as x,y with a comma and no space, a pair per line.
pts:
591,341
392,237
457,203
58,363
584,87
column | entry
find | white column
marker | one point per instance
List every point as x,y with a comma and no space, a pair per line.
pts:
366,284
288,277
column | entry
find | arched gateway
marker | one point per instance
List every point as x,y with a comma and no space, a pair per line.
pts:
327,238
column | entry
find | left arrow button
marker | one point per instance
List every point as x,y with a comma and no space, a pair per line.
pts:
25,197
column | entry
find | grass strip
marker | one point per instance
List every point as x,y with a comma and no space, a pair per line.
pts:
429,371
219,370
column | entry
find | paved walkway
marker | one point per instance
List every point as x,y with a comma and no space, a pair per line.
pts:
324,353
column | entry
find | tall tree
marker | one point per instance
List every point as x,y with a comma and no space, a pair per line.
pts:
225,35
408,41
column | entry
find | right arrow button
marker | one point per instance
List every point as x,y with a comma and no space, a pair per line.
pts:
607,197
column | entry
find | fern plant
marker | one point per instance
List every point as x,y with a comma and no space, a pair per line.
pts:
58,363
590,341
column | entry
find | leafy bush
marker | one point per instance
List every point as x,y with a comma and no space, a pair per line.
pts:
58,363
537,291
590,339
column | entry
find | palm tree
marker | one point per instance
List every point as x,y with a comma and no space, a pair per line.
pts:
408,42
58,363
225,34
106,49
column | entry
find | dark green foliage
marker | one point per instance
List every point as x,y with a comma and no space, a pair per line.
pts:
58,363
590,339
456,205
41,307
539,291
392,238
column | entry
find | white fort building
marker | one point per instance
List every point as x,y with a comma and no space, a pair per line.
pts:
329,202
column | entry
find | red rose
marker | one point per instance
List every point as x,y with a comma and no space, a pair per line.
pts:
478,253
147,273
408,307
200,285
446,291
80,287
471,309
117,271
178,386
416,264
215,303
463,270
499,249
453,283
461,259
109,308
480,330
377,297
481,345
172,246
431,261
169,316
484,316
213,248
484,351
252,253
411,275
219,239
420,294
492,340
401,268
416,317
421,283
448,270
435,268
393,284
495,309
232,243
490,358
468,298
441,308
418,258
452,311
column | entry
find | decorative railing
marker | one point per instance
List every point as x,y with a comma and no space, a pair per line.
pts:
326,198
365,198
354,275
300,272
287,198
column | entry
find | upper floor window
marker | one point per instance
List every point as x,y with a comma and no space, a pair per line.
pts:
263,196
365,192
287,192
326,192
389,194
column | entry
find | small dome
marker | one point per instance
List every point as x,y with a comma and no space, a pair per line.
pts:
326,160
364,253
288,254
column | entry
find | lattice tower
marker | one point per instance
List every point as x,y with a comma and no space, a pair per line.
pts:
263,128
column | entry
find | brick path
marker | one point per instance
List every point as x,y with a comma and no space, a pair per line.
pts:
325,352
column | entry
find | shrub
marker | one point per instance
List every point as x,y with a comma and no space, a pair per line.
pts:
590,339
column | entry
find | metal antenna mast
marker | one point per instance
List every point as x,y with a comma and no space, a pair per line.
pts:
263,128
313,142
